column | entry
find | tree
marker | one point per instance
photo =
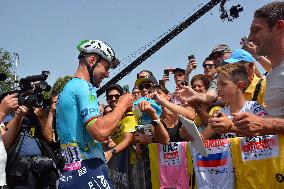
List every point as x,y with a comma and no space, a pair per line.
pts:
6,66
59,84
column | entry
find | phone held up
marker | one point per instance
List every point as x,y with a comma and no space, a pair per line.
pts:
167,72
125,89
190,57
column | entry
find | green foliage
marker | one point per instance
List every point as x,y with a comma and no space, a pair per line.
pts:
59,84
6,66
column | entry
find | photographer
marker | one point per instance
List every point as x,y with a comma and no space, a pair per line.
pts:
30,162
8,104
30,159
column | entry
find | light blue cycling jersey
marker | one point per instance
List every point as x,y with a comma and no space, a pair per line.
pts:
77,104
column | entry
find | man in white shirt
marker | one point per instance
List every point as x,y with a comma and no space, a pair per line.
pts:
267,33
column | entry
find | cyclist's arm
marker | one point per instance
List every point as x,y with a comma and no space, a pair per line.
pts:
101,127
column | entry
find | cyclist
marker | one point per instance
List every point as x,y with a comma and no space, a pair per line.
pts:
79,122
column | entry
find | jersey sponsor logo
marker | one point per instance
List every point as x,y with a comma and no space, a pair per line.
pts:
89,111
258,110
215,143
170,154
92,98
72,166
99,181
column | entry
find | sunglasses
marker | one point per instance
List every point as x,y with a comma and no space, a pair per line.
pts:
147,86
110,97
135,92
208,65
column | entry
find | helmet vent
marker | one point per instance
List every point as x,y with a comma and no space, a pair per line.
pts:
109,51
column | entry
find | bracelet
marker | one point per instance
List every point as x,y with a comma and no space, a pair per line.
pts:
155,122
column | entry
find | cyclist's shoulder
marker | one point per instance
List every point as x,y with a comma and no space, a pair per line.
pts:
77,84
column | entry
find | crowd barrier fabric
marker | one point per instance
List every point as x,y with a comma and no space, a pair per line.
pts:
256,162
118,170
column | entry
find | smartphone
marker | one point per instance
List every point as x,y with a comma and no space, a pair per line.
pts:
244,40
192,57
184,83
166,72
139,129
126,89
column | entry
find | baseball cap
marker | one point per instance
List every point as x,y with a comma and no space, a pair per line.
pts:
178,70
239,55
150,79
220,48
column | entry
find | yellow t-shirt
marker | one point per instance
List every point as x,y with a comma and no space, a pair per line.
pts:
251,88
126,125
259,169
214,109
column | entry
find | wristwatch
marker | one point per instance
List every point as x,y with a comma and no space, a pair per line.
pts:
113,151
155,122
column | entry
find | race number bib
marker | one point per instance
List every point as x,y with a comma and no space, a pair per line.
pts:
70,152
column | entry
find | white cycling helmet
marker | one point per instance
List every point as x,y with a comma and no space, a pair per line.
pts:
100,48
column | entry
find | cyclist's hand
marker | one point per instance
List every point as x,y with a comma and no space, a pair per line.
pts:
126,100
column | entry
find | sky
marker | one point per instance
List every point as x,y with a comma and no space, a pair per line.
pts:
45,33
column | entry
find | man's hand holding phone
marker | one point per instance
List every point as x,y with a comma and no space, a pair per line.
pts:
192,62
191,65
166,76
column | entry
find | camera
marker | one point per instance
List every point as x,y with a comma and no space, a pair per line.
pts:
30,91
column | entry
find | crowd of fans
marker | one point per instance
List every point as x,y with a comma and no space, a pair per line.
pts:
230,98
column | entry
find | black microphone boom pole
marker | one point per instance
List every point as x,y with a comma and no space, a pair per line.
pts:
159,44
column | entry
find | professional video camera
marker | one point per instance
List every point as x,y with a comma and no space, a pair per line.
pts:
30,91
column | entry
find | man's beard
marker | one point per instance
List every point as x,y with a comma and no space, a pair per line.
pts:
95,83
265,50
113,105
